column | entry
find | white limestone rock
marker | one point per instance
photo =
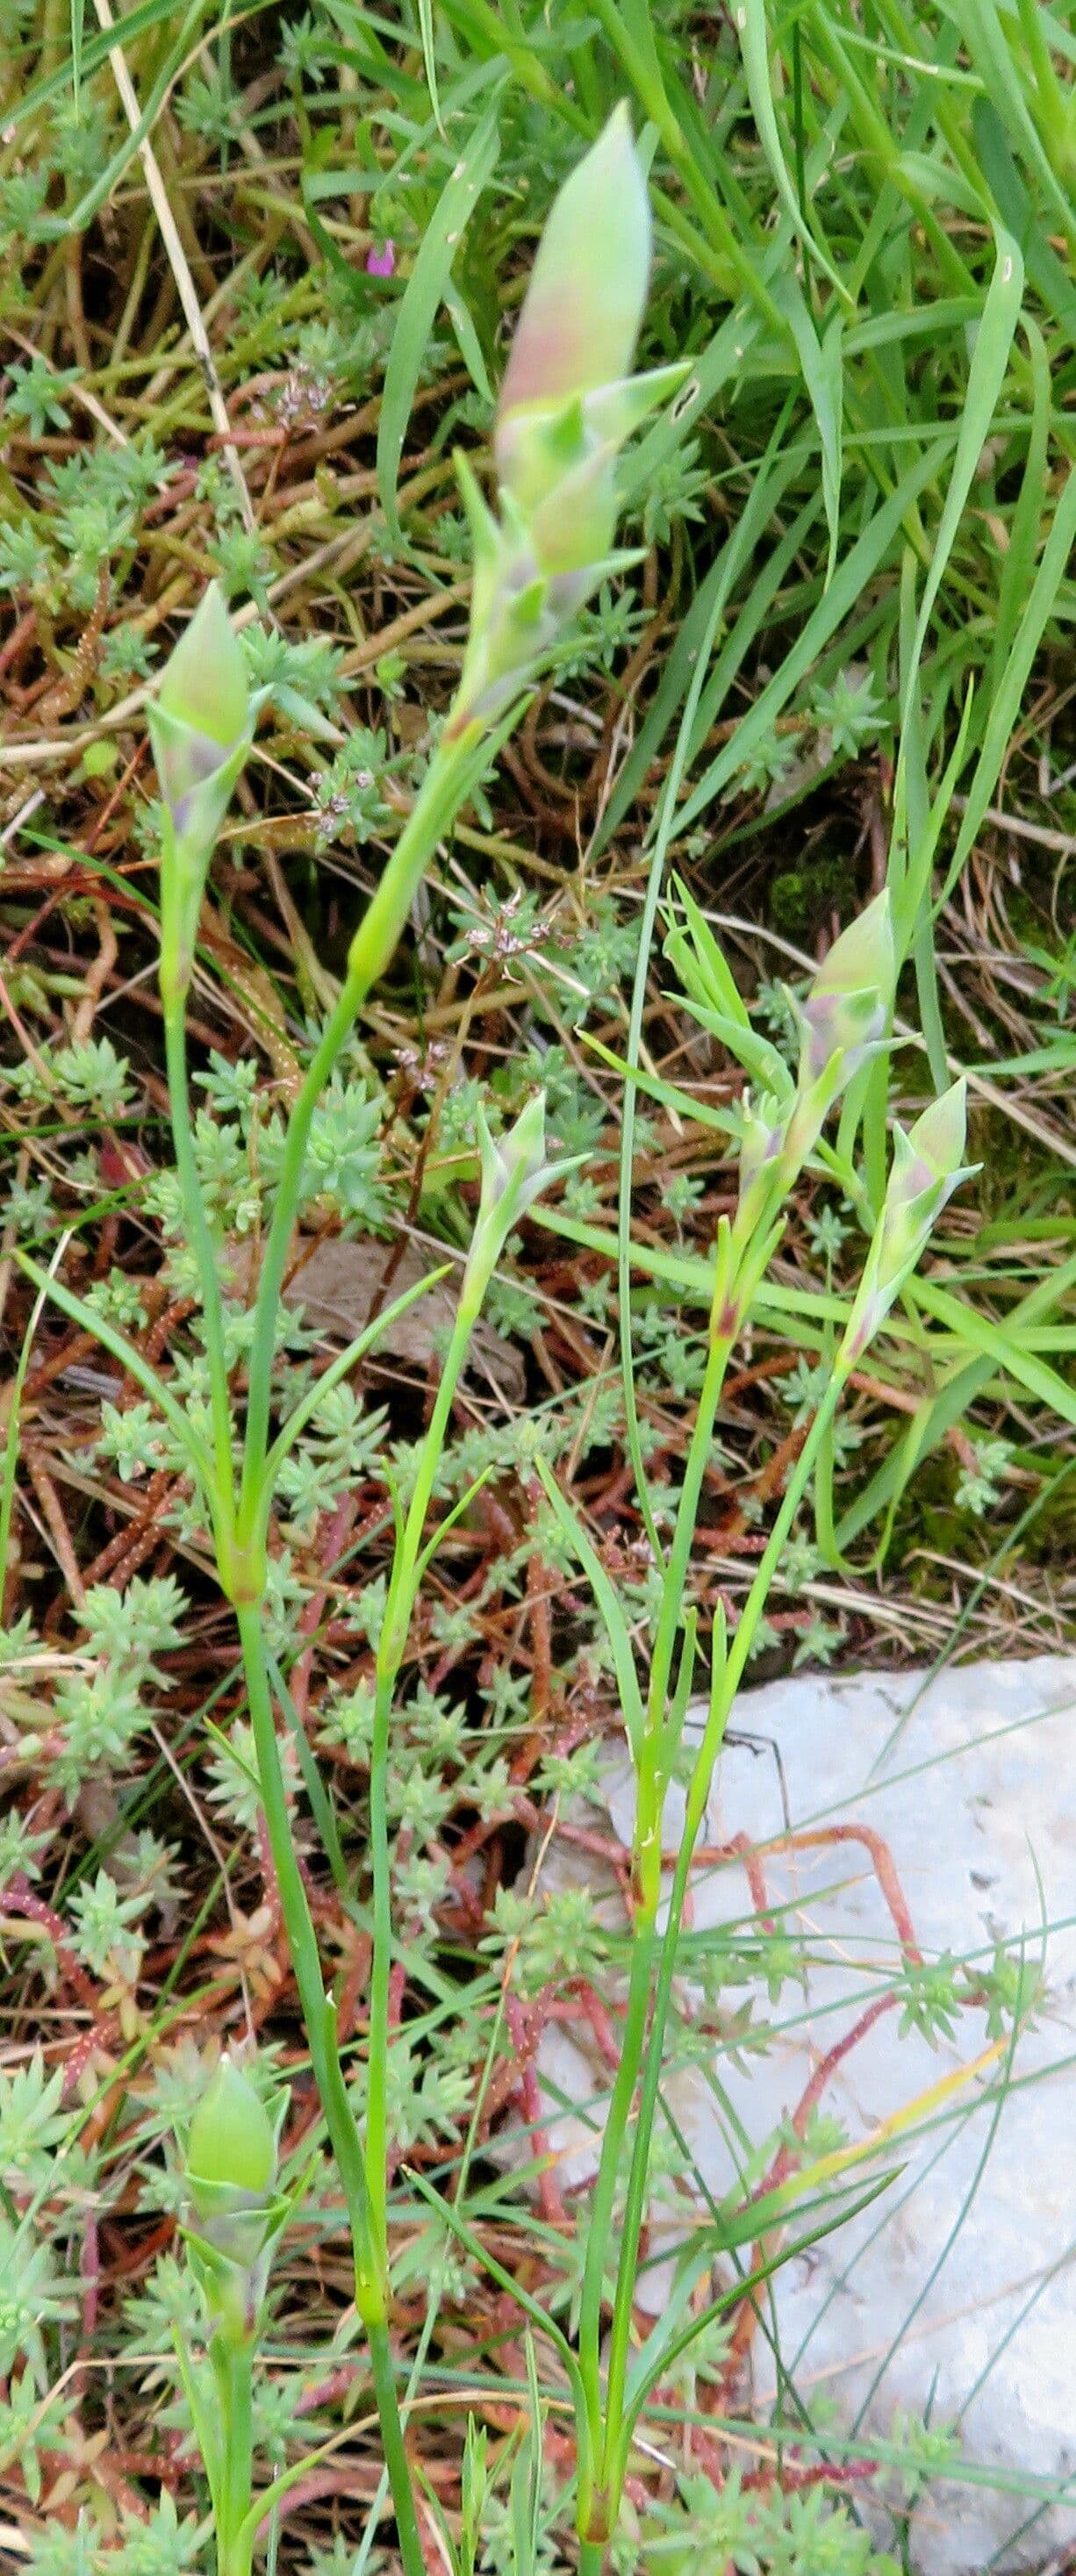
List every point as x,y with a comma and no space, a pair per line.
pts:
956,2291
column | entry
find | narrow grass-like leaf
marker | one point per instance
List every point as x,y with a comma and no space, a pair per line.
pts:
1005,1348
1054,565
615,1624
342,1366
750,21
11,1430
986,375
665,830
320,1802
1025,532
763,504
746,2225
78,29
129,1358
470,346
820,359
102,188
990,53
429,58
449,2215
422,295
1017,211
925,824
852,575
139,21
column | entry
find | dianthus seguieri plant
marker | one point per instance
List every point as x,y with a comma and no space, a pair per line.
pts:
568,403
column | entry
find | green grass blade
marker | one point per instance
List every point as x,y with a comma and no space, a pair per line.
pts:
858,568
665,830
119,1348
616,1626
750,17
1017,211
1003,1347
986,375
1056,559
988,49
762,506
1025,533
820,359
78,14
423,294
103,187
11,1432
429,58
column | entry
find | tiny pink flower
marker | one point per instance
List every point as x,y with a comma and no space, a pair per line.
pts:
381,259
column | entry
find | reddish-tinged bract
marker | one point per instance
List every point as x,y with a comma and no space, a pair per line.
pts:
582,310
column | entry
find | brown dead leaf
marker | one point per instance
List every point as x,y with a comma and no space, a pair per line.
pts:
338,1282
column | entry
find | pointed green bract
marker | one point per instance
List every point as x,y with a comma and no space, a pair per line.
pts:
848,1006
513,1165
927,1167
204,684
201,721
235,2214
201,725
231,2143
842,1023
514,1173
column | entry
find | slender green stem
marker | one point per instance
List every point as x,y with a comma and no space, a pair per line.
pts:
651,1785
299,1925
377,2055
392,1647
401,1600
755,1603
395,2449
657,1752
232,2364
241,1539
672,1596
202,1245
617,2428
371,2285
1047,87
207,2431
455,768
600,2226
278,1243
443,789
633,1049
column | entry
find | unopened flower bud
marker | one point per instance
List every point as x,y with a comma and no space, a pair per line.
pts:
581,313
847,1008
514,1173
566,406
200,716
762,1149
201,726
927,1167
515,1161
235,2214
231,2144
